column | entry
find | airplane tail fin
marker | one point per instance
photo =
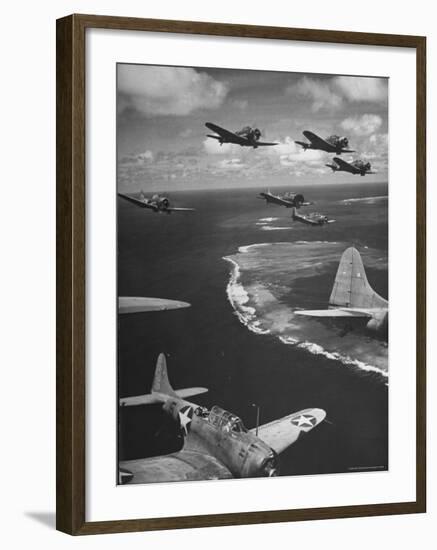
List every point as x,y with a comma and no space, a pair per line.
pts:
351,287
332,166
161,388
293,212
161,383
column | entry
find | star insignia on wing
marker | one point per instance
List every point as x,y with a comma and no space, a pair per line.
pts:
185,418
304,421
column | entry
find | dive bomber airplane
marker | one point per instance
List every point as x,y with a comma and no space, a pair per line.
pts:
352,296
157,203
332,144
216,443
310,219
289,200
247,137
356,167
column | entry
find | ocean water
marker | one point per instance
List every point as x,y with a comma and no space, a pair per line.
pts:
246,267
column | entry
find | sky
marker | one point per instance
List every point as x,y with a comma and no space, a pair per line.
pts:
161,133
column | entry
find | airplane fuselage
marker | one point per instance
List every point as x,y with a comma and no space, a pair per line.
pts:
314,222
223,436
289,201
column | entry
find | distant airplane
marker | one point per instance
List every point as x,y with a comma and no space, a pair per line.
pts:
332,144
247,137
157,203
352,296
216,443
134,304
355,167
311,219
289,200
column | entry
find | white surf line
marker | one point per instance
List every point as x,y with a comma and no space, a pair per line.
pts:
238,297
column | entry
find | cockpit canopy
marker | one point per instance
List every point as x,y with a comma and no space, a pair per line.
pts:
338,141
250,133
362,165
226,421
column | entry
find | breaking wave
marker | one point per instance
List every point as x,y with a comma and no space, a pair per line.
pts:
367,200
261,292
273,228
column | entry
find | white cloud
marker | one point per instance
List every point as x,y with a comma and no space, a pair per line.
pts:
240,104
331,94
362,126
231,164
319,91
186,133
355,88
147,156
379,140
291,153
157,91
213,147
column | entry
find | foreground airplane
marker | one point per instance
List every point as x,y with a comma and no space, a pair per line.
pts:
134,304
311,219
216,443
289,200
247,137
332,144
355,167
157,203
352,296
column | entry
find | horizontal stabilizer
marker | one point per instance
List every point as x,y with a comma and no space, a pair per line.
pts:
153,398
189,392
161,388
332,313
282,433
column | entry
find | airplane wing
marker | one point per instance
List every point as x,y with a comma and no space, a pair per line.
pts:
171,209
264,143
317,141
181,466
133,304
282,433
225,134
273,198
138,202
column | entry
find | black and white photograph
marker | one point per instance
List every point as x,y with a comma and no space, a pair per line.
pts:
252,273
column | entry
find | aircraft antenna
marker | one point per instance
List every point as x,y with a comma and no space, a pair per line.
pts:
257,418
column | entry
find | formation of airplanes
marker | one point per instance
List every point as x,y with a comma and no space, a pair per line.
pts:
353,297
217,445
157,203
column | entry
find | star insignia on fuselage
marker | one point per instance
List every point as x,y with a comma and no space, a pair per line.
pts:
185,418
304,421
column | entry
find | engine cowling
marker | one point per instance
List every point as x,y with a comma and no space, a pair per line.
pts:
165,202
